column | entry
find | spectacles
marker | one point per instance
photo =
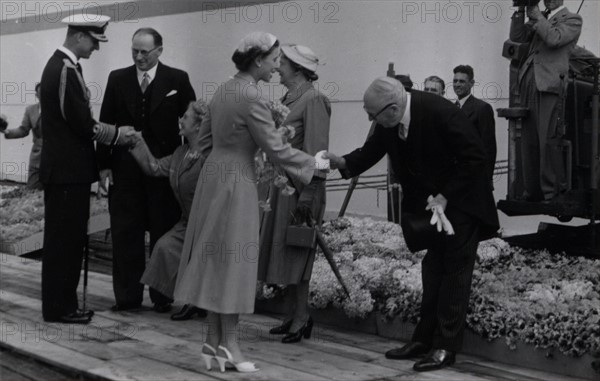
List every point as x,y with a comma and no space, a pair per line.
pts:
431,90
144,53
373,117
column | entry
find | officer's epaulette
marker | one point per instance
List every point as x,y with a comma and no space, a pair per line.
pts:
68,64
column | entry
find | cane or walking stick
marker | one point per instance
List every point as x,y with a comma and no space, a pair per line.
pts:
348,196
329,256
86,255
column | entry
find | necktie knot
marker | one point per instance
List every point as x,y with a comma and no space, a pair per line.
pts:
402,131
145,82
546,13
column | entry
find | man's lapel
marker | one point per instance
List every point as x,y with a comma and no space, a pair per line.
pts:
469,107
160,87
130,88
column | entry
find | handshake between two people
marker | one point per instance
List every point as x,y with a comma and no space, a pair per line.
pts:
3,123
125,136
437,205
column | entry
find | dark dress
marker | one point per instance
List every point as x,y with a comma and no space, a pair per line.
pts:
280,264
182,168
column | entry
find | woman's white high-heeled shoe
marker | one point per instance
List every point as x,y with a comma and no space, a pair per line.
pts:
208,357
242,367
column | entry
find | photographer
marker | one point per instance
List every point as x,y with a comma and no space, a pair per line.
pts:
552,35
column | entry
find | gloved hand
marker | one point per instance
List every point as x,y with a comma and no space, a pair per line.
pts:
437,205
303,212
105,175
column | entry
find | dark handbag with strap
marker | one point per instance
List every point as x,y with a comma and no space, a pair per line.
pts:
301,236
418,231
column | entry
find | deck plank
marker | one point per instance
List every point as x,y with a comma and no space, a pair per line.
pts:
145,345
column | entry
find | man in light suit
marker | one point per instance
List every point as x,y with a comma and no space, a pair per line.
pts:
151,97
31,122
480,113
435,151
552,36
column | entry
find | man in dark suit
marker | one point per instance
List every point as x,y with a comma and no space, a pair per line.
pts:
435,151
68,166
552,37
151,97
480,113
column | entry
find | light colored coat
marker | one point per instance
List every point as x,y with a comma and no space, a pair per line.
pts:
219,261
552,42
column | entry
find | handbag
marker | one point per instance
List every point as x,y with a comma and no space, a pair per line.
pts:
418,232
301,236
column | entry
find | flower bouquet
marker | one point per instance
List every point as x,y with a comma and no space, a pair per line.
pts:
266,172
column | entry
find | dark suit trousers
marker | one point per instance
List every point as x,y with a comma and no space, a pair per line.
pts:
67,209
543,169
447,270
137,203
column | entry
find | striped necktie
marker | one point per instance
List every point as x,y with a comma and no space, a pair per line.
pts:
145,83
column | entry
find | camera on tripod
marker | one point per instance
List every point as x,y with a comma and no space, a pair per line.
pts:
525,3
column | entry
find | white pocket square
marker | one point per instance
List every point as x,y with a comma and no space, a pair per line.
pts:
172,92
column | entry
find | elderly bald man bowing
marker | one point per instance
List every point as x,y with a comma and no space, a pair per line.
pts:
435,151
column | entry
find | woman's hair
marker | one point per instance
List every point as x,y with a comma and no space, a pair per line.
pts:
310,75
243,61
200,109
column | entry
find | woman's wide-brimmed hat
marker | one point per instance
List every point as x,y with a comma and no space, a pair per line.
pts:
301,55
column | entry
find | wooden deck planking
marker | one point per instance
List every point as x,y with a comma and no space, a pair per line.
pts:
155,347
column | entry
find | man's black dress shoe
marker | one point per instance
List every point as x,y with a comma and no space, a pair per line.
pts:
87,313
72,318
162,308
187,312
125,307
411,349
436,359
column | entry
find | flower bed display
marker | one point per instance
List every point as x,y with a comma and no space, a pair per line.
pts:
22,212
518,296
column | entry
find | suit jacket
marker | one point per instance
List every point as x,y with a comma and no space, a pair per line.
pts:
31,122
171,95
552,42
67,124
442,154
481,114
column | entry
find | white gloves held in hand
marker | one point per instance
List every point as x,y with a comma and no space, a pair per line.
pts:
437,205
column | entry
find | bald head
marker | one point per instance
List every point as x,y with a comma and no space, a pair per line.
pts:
385,101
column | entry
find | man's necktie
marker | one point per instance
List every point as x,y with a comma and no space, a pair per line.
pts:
401,131
145,83
546,13
79,68
457,103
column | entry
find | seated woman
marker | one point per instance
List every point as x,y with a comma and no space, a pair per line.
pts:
183,168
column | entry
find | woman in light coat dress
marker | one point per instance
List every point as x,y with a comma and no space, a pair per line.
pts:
310,112
182,168
218,269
